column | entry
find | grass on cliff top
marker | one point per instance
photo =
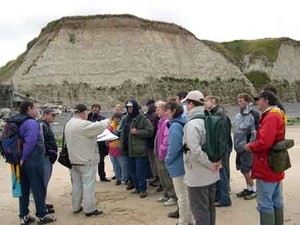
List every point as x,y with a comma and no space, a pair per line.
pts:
236,50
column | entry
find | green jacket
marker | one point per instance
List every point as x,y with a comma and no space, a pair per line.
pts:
136,143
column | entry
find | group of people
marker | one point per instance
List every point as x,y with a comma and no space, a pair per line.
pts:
163,147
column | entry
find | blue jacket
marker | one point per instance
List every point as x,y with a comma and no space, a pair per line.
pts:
174,157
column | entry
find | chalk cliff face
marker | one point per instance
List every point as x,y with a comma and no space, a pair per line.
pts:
109,59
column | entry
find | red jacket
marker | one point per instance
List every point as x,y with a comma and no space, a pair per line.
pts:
271,130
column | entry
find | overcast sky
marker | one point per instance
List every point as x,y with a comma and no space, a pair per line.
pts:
217,20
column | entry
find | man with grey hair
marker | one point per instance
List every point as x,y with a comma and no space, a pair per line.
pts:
49,115
201,174
81,140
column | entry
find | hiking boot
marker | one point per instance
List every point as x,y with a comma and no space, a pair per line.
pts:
162,199
118,182
174,214
143,194
170,202
95,213
50,211
49,206
129,186
243,193
46,219
78,211
135,192
250,195
27,220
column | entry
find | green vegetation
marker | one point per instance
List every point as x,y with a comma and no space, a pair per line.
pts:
236,50
59,140
53,25
293,121
11,65
258,78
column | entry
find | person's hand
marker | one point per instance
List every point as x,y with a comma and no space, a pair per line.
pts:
21,162
248,149
215,166
133,131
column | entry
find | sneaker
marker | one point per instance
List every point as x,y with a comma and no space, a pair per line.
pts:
118,182
159,189
50,211
46,219
242,193
78,211
49,206
217,204
154,182
170,202
104,179
162,199
251,195
143,194
27,220
174,214
97,212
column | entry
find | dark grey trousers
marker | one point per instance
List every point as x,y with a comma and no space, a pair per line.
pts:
202,201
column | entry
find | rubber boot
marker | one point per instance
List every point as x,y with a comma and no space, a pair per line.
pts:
267,219
279,218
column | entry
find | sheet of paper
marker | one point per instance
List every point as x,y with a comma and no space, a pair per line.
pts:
106,135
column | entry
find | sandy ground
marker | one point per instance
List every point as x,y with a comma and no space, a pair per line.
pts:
121,207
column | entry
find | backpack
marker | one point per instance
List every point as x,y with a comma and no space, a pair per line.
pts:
12,142
217,130
256,117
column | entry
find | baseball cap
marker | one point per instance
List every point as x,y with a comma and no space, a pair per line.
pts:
195,96
49,110
129,104
80,108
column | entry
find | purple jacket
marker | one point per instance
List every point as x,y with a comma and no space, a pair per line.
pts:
162,138
29,131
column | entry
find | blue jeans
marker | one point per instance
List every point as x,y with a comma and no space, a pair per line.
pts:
47,171
269,196
223,189
32,177
137,172
120,167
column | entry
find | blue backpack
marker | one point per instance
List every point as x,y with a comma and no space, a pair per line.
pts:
11,142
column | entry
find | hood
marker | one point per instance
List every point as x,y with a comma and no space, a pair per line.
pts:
136,108
179,119
17,118
195,112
